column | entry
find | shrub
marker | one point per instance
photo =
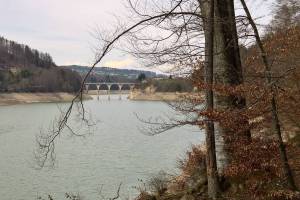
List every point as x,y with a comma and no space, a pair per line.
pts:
158,183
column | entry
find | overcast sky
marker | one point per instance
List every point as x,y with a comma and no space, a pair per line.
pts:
62,27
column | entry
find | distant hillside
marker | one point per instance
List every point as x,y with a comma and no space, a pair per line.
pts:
23,69
112,74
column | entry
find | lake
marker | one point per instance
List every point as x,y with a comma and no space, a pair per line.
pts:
115,151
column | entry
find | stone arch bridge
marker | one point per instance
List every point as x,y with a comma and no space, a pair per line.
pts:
108,86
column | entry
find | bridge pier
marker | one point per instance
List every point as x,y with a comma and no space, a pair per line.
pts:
108,91
87,88
120,91
98,92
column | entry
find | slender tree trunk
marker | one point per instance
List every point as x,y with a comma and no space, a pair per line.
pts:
211,161
275,119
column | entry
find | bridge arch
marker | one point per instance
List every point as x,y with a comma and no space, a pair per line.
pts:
125,87
109,86
103,87
114,86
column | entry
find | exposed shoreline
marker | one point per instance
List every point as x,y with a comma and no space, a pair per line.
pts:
156,96
139,95
136,95
28,98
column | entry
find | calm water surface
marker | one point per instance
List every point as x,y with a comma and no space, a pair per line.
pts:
115,152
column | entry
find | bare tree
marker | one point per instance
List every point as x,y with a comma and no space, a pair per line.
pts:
275,118
286,14
46,140
211,161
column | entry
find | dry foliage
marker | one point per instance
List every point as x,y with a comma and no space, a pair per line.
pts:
194,160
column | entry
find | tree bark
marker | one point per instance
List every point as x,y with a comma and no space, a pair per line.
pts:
211,160
275,118
227,72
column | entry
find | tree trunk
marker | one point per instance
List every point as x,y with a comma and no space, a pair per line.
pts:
211,161
275,119
228,71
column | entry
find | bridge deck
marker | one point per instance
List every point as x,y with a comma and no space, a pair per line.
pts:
110,83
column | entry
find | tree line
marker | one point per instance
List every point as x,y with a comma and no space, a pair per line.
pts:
23,69
14,54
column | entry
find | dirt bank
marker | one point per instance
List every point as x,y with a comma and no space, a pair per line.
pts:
156,96
25,98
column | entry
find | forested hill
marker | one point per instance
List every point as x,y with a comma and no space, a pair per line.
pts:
112,74
23,69
13,54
